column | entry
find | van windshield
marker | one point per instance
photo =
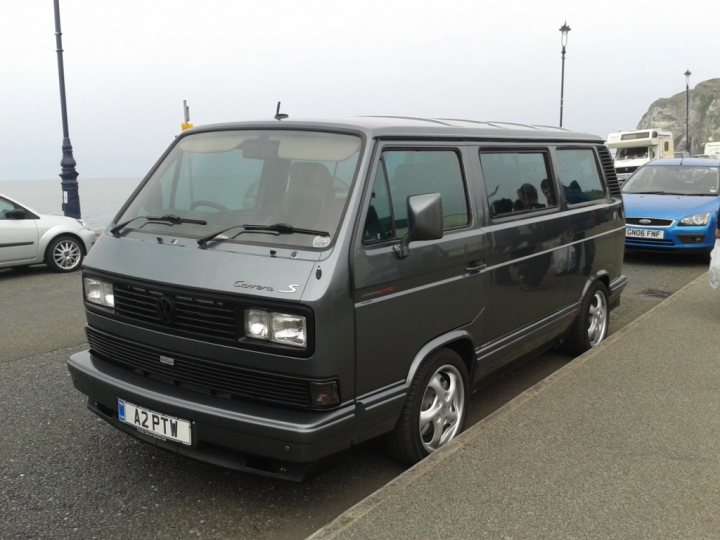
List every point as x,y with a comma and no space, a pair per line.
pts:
214,181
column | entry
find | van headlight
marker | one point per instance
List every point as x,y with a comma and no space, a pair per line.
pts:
282,328
99,292
696,219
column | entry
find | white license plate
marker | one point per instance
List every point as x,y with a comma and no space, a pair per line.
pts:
645,233
155,423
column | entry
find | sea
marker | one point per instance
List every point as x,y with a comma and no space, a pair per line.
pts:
100,198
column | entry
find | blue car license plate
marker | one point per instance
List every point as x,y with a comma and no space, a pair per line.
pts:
653,234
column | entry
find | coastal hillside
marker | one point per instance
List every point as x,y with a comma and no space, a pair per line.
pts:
704,117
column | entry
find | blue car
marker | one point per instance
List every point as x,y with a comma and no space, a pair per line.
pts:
672,205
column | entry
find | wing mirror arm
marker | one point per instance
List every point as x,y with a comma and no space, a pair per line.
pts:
425,221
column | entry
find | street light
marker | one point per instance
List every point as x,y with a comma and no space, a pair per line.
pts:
687,111
68,176
564,29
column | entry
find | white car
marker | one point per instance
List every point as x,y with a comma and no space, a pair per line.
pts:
27,237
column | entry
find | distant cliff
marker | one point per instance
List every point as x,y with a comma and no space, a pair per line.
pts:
704,118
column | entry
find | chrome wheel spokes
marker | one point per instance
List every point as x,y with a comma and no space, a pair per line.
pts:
442,407
67,254
597,319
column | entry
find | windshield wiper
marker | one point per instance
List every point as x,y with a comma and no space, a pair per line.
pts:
165,220
276,230
649,193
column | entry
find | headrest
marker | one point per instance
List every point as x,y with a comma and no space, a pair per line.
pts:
310,176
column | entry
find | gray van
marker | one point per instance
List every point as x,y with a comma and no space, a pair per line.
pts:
274,292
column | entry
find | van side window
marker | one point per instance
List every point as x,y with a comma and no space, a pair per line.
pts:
402,173
517,182
577,171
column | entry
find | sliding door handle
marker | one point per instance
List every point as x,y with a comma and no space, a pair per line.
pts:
475,267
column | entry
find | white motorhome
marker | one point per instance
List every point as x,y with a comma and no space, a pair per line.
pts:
712,149
636,147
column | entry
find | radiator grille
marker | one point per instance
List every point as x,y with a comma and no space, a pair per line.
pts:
181,311
200,374
649,222
631,241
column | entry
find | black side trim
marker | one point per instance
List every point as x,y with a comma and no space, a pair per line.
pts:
17,244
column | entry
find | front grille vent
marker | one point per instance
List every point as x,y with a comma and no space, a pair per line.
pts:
199,374
649,222
181,311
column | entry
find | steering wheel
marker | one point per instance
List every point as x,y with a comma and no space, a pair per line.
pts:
209,204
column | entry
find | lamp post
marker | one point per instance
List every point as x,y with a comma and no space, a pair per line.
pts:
68,176
687,111
564,29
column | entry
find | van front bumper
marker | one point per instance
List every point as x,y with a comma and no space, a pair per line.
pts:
238,435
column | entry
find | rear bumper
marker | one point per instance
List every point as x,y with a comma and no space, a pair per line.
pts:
225,432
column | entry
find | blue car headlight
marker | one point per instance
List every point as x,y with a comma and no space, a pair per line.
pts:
696,219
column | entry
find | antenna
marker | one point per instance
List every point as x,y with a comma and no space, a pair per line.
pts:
278,114
186,112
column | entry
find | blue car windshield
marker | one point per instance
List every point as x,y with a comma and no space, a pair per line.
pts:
669,180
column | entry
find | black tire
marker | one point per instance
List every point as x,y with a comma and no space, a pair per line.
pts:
414,437
591,326
64,254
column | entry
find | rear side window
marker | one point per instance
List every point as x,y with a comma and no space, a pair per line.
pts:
402,173
517,182
578,173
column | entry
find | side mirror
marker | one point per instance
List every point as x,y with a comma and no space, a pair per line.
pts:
425,220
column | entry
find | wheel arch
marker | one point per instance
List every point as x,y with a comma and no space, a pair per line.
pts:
53,234
458,341
602,276
61,234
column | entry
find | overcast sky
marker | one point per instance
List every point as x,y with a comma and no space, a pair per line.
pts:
129,64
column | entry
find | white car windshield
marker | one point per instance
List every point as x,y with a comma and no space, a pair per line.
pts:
272,186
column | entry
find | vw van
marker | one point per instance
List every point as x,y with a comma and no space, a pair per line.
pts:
275,292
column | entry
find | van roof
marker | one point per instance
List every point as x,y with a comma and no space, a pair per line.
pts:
402,126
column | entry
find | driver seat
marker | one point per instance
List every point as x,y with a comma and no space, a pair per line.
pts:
309,194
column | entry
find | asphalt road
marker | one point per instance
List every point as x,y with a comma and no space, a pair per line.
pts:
65,473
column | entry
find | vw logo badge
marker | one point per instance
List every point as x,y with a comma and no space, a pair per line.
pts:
166,310
645,221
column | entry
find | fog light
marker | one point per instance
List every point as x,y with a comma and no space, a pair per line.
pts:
324,394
